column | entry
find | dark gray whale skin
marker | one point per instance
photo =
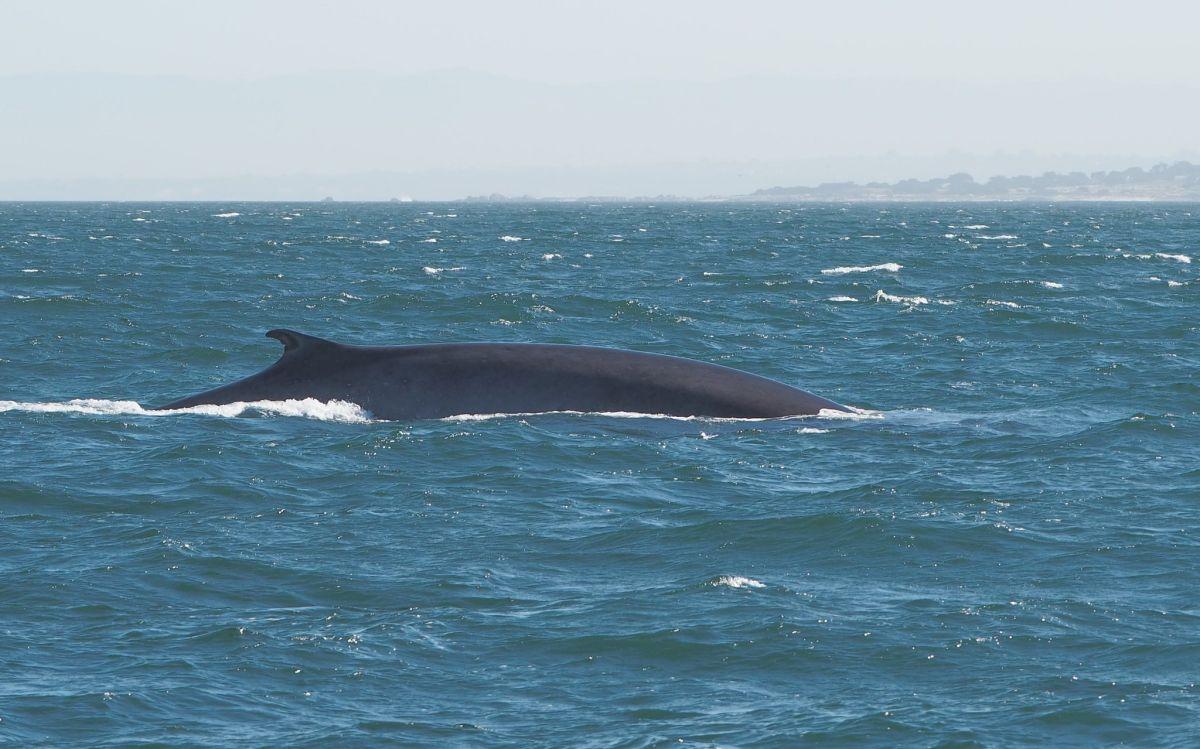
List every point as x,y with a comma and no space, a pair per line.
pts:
440,380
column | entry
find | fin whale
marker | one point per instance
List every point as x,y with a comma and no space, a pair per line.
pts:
439,380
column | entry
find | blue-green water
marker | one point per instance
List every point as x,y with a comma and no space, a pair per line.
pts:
1004,551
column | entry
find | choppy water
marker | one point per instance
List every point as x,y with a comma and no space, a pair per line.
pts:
1007,553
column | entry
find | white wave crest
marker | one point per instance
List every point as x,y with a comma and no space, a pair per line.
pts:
883,296
378,241
999,303
843,269
434,271
551,256
997,236
308,408
1166,256
231,214
1052,284
511,238
736,581
842,299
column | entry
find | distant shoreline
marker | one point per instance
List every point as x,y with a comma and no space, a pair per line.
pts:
1163,183
674,200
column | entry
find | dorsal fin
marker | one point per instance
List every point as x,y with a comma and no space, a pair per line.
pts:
297,343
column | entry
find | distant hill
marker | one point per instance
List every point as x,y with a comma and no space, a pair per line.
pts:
1166,182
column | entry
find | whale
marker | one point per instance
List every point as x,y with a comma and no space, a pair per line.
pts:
439,380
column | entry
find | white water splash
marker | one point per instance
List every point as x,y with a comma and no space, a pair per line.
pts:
736,581
883,296
1167,256
308,408
844,269
231,214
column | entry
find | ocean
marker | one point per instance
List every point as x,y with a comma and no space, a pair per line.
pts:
1001,548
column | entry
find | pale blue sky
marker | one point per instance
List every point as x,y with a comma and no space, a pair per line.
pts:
691,97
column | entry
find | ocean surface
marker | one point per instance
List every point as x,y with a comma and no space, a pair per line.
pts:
1001,549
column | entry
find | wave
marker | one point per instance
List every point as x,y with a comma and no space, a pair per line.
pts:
308,408
843,269
511,238
434,271
997,236
231,214
736,581
1167,256
841,299
912,301
883,296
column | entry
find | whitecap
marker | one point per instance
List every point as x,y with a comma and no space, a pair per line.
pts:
309,408
431,240
511,238
843,269
551,256
883,296
1052,284
976,226
998,303
434,271
1166,256
842,299
378,241
231,214
736,581
996,236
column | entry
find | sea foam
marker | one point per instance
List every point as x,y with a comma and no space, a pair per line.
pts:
736,581
1166,256
308,408
843,269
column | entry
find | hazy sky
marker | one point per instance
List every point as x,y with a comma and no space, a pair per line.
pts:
589,96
